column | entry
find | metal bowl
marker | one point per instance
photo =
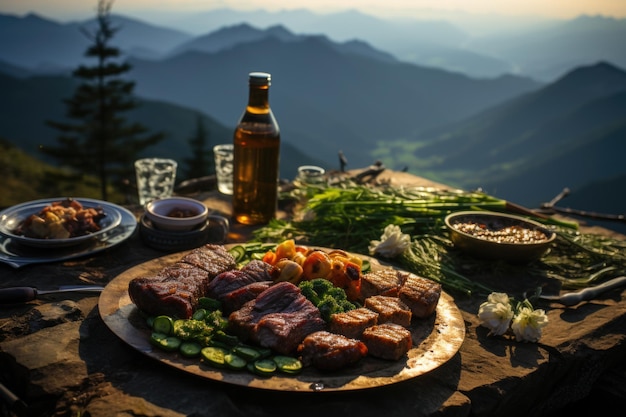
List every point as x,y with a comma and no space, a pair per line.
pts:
12,217
502,236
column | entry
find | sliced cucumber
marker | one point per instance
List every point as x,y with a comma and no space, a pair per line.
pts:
238,252
288,364
199,314
227,339
165,342
190,349
264,367
214,356
246,352
235,362
163,324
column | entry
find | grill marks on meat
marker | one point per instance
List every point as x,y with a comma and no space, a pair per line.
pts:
421,295
382,282
214,259
352,323
390,309
279,318
330,351
174,291
387,341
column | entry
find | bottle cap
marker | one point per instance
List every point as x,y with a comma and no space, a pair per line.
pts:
260,78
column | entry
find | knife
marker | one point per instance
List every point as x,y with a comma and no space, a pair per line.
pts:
24,294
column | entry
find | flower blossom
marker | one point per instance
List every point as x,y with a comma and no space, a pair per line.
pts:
496,313
392,242
528,323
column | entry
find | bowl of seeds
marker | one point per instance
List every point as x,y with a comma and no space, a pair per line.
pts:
492,235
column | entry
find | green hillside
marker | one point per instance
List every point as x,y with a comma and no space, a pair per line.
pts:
25,178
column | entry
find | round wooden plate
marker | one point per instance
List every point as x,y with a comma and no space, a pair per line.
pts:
435,341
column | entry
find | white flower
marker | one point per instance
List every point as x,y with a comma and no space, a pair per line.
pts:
496,313
528,323
393,242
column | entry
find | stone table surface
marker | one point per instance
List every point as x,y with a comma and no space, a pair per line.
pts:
58,358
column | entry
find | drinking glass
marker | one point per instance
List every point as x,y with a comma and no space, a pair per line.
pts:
224,167
155,178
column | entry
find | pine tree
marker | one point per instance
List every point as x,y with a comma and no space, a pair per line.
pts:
101,141
202,162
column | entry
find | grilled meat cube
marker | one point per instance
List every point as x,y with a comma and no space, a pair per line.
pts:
330,351
352,323
421,295
278,318
389,309
382,282
387,341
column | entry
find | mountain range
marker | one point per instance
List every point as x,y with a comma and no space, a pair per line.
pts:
516,137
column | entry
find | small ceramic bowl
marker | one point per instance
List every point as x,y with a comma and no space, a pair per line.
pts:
176,214
499,236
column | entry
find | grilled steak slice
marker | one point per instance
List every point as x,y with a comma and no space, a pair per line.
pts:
330,351
190,276
389,309
279,318
235,299
352,323
382,282
174,291
154,296
387,341
214,259
421,295
254,271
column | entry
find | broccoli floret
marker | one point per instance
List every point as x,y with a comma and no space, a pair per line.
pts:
329,306
347,305
337,293
306,288
321,286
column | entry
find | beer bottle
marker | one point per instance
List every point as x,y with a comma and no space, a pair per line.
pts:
256,156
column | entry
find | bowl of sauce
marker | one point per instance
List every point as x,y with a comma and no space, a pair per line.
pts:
176,213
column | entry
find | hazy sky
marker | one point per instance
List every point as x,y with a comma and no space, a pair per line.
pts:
69,9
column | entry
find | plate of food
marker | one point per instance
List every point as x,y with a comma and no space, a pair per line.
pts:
58,222
400,326
17,255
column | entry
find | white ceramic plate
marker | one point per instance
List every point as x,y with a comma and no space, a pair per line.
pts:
11,218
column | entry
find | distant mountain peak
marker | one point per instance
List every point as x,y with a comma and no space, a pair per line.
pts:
600,76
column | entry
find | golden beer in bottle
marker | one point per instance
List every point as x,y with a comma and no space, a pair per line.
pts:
256,156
